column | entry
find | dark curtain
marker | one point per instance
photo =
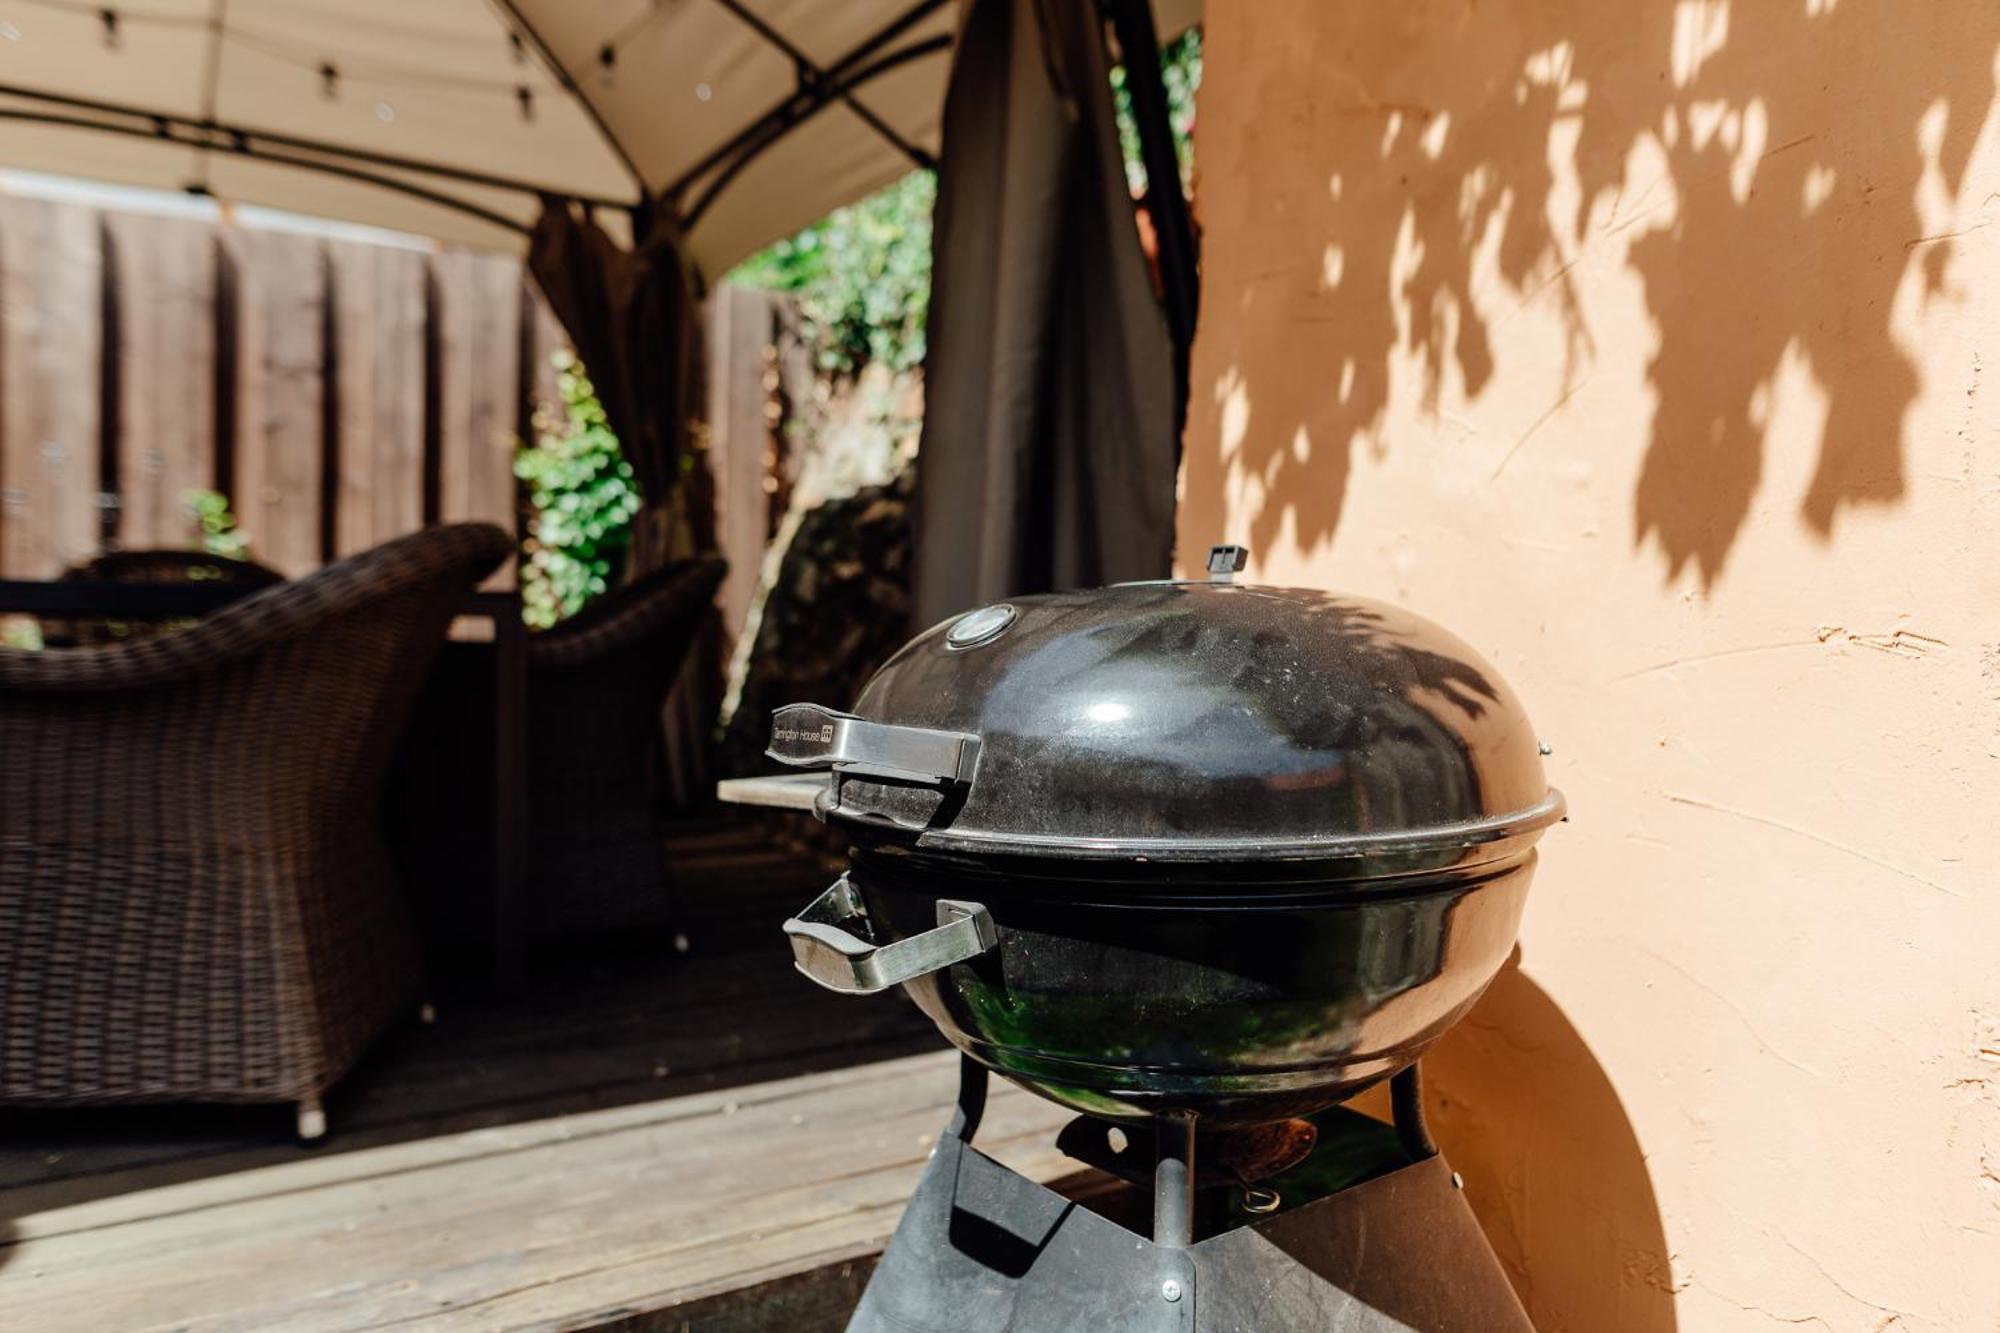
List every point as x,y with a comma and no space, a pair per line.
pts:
634,318
1050,439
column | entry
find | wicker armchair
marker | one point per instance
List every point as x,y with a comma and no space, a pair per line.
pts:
172,566
149,566
596,684
195,899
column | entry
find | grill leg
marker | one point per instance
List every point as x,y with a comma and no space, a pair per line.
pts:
1406,1104
972,1078
312,1120
1173,1182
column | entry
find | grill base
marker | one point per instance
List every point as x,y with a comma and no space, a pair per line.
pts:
984,1250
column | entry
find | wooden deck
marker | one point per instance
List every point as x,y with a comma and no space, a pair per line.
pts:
643,1141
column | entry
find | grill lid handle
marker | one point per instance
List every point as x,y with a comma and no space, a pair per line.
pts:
809,736
841,961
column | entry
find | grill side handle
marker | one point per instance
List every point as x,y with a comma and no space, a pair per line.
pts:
809,736
830,954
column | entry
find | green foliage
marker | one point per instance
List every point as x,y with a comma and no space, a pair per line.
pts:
862,275
1180,72
216,525
583,496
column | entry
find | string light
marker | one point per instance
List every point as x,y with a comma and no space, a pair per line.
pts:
329,73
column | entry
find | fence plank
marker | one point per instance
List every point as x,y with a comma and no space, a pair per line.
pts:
166,281
546,336
278,419
379,292
250,412
550,337
739,439
480,299
49,300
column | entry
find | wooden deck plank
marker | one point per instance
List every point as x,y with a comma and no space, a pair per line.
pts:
602,1021
567,1159
595,1215
440,1081
816,1301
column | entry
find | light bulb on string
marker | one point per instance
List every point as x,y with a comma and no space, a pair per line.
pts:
526,97
607,61
329,81
112,38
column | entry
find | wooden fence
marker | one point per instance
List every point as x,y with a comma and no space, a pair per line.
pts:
339,392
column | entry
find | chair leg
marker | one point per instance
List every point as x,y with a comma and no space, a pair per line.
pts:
312,1120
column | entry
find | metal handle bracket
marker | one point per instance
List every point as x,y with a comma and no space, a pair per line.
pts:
839,960
809,736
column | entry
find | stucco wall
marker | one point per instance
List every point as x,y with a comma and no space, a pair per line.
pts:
1652,347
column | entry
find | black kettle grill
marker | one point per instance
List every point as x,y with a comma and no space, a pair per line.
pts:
1199,860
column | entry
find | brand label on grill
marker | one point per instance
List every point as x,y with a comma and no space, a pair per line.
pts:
783,733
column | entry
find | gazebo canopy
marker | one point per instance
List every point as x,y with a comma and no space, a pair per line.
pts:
750,118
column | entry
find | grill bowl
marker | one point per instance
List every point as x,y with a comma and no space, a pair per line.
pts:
1238,996
1181,846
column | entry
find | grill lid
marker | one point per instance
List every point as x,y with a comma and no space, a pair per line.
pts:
1185,720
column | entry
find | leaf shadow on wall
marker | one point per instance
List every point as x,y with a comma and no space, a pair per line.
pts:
1757,167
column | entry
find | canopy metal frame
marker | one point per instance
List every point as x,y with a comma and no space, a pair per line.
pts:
358,164
815,88
1173,225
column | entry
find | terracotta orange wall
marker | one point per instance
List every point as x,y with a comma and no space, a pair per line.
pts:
1654,348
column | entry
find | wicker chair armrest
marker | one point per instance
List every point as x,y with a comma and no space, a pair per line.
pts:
263,618
630,614
165,565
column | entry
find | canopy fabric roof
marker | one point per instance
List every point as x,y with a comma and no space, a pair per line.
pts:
1051,433
445,117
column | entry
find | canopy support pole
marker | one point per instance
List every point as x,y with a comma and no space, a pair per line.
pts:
1180,263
